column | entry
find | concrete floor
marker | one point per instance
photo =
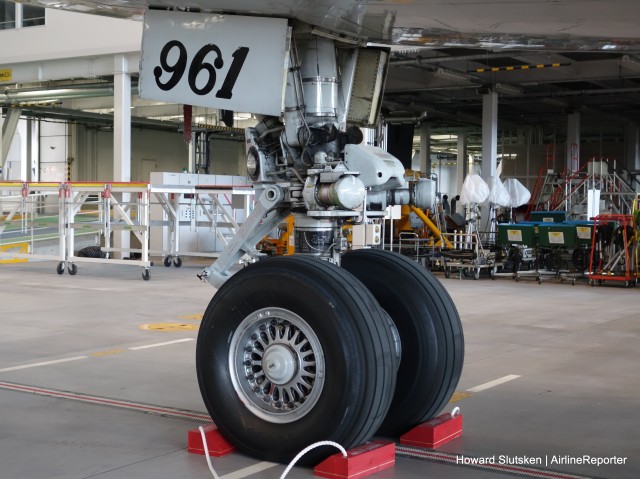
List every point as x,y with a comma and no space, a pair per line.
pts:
574,348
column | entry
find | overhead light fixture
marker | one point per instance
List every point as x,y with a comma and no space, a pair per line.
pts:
506,89
453,75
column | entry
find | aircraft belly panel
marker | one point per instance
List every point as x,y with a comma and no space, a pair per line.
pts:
536,24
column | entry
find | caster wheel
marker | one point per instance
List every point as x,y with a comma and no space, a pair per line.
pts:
146,275
447,273
177,261
167,261
592,283
539,280
492,273
517,278
73,269
476,273
60,268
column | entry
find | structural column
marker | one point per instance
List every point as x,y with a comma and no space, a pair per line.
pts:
489,147
122,136
425,149
33,150
489,134
573,142
462,164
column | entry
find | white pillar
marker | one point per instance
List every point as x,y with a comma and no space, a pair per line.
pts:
425,149
573,142
33,150
462,162
489,134
121,136
489,147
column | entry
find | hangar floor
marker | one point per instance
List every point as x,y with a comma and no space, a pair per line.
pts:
86,392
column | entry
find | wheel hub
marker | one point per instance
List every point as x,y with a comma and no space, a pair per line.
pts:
279,364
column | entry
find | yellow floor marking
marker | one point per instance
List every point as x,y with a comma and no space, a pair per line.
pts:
459,396
22,248
108,353
169,327
194,317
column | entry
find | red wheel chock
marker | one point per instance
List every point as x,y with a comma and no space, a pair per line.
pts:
360,462
435,432
217,445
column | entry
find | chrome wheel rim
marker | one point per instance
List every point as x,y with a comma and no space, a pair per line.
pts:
277,365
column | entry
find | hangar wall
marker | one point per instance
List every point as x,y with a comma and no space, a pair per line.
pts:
91,35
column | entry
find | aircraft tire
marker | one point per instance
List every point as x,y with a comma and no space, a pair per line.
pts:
298,324
430,332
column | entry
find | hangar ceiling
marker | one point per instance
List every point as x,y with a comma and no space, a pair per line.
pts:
536,89
445,87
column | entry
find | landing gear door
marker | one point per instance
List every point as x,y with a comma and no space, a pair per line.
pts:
367,68
229,62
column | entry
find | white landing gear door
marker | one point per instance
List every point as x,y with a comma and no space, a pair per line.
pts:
228,62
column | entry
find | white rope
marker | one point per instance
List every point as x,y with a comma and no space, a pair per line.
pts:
291,464
309,448
206,452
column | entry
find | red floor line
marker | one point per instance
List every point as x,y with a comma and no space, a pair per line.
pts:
110,402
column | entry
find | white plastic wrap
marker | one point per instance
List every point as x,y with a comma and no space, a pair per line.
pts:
474,190
519,194
498,195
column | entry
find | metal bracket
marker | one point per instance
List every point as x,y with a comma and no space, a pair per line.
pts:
266,215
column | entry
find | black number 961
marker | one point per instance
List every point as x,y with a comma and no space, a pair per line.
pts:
198,64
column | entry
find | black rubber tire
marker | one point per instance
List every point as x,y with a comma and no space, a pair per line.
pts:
91,252
60,268
146,275
73,269
430,333
167,261
177,261
357,346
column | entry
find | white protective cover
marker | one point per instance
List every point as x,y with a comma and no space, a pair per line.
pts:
498,195
474,190
519,194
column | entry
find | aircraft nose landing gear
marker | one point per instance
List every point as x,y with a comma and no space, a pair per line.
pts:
296,350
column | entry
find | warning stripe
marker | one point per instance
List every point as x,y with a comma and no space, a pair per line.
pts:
538,66
193,416
514,470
